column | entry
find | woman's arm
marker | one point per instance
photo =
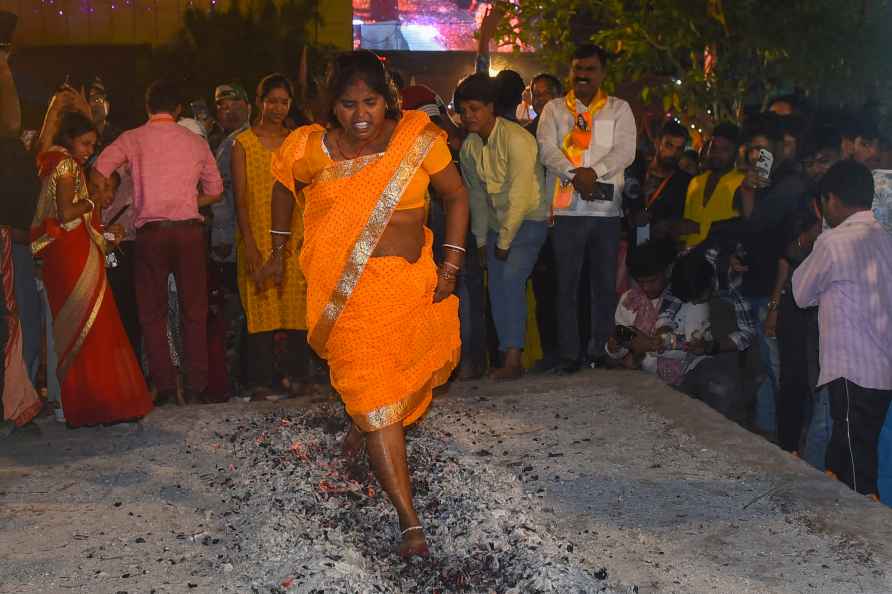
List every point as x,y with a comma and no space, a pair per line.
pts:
10,108
282,212
254,260
449,187
68,210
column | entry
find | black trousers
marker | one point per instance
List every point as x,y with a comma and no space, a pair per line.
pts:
715,381
123,287
259,358
574,238
793,335
858,416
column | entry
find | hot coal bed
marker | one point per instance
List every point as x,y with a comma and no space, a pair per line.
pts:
300,518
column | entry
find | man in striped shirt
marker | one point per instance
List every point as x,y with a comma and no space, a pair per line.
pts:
848,276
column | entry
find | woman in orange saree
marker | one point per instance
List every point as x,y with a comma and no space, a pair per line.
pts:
101,380
378,309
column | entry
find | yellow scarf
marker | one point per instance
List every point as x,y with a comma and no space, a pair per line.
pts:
576,142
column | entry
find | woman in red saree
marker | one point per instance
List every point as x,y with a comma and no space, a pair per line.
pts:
101,380
378,309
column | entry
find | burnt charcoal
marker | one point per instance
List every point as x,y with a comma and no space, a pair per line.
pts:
298,513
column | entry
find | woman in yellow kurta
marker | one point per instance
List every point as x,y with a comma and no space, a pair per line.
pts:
268,308
378,309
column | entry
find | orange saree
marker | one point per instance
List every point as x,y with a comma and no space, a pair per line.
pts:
373,319
101,379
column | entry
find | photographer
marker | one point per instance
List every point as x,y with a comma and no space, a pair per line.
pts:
693,361
772,191
635,343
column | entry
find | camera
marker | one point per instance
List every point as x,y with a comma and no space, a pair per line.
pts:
624,336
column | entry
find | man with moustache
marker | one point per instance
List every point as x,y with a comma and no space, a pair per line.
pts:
586,141
665,185
710,197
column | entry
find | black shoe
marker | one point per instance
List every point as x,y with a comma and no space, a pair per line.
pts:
545,365
165,397
566,368
598,362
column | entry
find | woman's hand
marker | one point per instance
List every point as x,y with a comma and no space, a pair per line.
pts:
273,269
253,259
445,285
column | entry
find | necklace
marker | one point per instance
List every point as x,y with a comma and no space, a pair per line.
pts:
361,147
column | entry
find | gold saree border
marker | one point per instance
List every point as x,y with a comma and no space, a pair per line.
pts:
396,412
368,239
40,244
76,317
389,414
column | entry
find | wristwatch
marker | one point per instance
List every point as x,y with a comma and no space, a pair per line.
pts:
772,305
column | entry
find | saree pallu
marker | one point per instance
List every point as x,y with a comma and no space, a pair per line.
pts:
373,319
101,379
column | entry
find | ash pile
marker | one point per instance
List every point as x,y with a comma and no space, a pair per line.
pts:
300,518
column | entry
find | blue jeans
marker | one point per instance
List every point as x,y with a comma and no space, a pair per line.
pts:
508,282
28,302
820,428
769,355
884,461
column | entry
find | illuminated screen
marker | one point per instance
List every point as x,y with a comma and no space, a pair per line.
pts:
417,25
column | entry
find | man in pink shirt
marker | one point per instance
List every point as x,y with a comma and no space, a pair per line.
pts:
174,174
848,275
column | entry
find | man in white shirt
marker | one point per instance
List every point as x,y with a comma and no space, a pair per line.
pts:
586,141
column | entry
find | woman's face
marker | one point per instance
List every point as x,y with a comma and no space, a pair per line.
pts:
360,111
275,106
82,147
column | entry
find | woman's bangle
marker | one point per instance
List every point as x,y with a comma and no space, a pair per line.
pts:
455,248
446,275
277,232
452,266
279,249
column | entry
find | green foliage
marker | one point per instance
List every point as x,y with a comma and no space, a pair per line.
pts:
836,50
234,45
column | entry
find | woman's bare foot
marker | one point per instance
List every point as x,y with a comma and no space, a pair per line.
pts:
353,444
413,543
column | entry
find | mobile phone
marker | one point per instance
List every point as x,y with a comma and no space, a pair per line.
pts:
601,191
8,22
764,163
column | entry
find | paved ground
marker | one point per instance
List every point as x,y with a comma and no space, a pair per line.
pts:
654,487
